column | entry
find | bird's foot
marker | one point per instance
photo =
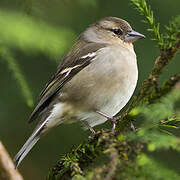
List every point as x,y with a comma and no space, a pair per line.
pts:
93,133
114,120
133,127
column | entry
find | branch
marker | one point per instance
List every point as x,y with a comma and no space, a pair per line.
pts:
169,45
7,168
103,145
160,63
146,11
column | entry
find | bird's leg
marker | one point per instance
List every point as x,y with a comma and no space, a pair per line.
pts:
114,120
132,127
90,128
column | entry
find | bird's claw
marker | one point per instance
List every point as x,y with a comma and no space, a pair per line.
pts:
133,127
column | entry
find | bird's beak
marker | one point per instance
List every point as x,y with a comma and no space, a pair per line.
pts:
133,36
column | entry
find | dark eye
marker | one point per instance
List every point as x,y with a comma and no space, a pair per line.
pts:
117,31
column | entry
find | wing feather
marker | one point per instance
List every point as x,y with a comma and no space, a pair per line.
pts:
79,57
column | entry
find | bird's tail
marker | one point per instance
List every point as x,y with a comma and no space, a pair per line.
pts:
29,144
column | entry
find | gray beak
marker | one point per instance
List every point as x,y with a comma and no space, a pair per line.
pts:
133,36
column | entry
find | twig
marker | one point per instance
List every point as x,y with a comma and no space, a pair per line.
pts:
7,168
160,62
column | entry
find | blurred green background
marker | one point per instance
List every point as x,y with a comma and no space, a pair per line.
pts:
37,33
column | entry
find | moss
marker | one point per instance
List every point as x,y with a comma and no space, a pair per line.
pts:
91,157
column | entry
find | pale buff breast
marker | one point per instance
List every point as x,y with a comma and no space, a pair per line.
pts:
106,84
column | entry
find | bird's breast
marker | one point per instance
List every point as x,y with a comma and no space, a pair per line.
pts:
107,83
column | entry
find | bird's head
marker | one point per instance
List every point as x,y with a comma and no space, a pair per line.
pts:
112,30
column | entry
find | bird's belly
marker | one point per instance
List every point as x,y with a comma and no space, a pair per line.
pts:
109,103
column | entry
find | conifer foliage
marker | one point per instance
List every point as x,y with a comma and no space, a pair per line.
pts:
155,110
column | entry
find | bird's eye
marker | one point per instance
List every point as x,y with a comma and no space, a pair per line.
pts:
117,31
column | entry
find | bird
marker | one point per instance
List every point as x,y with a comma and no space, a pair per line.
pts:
93,82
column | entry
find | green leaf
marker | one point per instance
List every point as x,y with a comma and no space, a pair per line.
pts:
156,117
146,11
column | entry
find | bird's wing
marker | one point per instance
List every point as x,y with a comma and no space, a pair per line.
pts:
79,57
